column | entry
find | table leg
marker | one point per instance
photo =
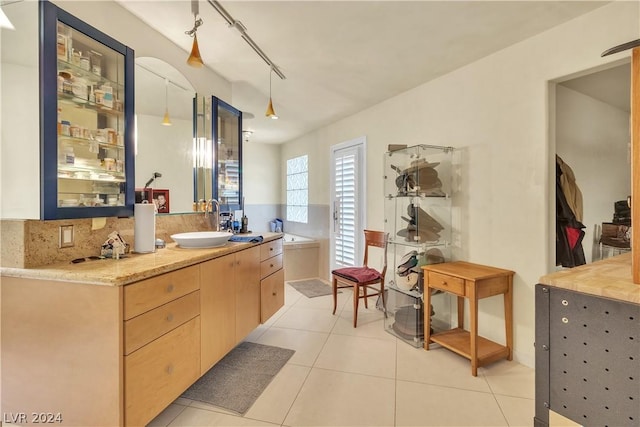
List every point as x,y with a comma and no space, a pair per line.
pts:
473,328
460,312
426,310
508,317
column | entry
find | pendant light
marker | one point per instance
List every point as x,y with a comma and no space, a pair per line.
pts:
195,60
270,112
166,121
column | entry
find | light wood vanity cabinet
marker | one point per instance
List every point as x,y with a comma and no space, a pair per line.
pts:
161,341
251,290
159,372
271,279
246,280
112,354
217,311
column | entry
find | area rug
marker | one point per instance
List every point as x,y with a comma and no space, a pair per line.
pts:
311,288
236,381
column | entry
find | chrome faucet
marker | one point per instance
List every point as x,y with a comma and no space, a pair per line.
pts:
209,208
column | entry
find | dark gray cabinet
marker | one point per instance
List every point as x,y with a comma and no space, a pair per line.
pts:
587,358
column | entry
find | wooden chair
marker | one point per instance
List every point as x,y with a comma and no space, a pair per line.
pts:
363,278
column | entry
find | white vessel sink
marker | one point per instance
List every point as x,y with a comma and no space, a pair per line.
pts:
202,239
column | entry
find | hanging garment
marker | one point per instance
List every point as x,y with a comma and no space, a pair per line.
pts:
570,188
569,231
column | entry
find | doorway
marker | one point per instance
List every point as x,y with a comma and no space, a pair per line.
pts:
590,128
348,203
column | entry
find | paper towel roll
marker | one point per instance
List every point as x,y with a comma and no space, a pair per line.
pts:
144,227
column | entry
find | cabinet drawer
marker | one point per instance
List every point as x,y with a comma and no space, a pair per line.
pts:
159,372
271,295
269,249
154,323
150,293
455,285
270,266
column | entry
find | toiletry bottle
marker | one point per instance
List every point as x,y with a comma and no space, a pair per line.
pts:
69,155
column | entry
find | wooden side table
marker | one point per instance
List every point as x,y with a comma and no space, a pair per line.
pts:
472,281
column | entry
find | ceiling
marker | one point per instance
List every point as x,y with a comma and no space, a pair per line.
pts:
341,57
611,86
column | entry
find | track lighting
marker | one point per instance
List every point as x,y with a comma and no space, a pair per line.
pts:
270,112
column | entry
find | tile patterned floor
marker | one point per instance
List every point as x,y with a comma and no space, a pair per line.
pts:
341,376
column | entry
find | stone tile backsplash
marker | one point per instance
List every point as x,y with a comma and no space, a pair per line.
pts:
34,243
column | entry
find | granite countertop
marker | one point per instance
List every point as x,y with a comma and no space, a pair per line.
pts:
133,267
610,278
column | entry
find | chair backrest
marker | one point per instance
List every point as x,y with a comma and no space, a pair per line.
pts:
378,239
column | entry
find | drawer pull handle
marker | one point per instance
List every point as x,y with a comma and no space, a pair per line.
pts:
170,288
445,284
169,369
170,317
274,294
271,265
271,249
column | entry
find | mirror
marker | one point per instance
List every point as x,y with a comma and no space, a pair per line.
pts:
164,154
218,163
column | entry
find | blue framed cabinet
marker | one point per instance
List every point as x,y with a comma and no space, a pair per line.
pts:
217,166
87,119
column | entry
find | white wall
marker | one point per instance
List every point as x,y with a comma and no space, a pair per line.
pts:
19,114
167,150
593,139
261,173
496,113
20,149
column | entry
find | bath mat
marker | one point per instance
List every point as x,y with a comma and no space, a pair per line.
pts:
312,288
236,381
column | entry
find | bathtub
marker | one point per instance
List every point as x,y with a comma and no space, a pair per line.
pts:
293,238
301,257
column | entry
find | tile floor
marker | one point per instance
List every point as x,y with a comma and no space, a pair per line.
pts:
341,376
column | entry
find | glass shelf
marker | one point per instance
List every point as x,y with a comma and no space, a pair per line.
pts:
90,77
104,176
71,99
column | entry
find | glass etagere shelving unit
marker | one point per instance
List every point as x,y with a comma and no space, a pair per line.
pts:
417,208
87,120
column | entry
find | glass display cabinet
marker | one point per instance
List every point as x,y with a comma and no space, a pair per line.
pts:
417,216
87,152
217,166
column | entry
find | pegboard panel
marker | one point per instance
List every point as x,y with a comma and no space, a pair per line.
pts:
594,359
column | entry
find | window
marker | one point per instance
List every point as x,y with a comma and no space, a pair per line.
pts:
298,189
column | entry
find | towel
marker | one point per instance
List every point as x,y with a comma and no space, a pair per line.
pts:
250,239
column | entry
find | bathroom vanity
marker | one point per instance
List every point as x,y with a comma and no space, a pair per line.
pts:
114,342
